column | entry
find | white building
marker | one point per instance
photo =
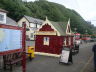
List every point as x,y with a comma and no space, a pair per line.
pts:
6,20
32,24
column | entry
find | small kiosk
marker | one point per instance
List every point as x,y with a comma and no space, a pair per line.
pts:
52,36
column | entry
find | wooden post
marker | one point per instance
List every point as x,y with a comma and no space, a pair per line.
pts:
24,48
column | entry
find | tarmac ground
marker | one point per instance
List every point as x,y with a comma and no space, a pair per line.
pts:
82,62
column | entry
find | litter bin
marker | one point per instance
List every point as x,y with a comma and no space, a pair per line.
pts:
31,50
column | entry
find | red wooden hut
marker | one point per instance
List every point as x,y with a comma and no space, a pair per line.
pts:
51,37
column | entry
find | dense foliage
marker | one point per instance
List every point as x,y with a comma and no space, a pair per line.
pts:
42,8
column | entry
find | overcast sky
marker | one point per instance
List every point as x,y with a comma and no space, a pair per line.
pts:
86,8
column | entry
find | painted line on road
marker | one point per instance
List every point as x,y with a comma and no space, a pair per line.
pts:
85,66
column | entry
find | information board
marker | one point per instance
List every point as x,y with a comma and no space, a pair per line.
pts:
10,38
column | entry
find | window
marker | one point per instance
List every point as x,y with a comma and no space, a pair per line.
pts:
65,42
46,41
1,17
38,26
32,25
32,35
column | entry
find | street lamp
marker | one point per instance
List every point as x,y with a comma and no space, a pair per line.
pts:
75,29
86,33
75,35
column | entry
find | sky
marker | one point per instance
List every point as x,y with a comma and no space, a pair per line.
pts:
86,8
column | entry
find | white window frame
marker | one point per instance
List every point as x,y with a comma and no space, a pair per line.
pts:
46,41
3,21
65,40
32,25
32,35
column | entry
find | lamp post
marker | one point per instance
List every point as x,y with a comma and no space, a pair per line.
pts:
86,33
75,39
75,29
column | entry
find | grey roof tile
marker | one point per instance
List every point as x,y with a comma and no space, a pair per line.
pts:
34,20
10,21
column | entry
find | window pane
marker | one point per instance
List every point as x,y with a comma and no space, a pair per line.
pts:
32,35
46,41
1,17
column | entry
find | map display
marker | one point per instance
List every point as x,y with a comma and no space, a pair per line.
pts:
10,39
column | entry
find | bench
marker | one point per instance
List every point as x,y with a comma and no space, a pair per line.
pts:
13,58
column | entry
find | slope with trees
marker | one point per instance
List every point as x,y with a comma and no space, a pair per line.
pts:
42,8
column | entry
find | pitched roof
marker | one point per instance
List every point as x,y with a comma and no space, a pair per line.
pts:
2,10
33,20
10,21
60,26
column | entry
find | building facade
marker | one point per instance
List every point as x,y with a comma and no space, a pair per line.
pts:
32,24
52,36
4,19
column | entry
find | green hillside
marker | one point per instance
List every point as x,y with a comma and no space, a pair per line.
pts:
42,8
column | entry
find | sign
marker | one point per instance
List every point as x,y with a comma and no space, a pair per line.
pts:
10,39
65,56
45,32
13,39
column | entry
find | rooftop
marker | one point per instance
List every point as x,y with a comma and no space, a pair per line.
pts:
10,21
60,26
2,10
33,20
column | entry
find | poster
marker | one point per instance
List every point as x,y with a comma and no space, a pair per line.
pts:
10,39
64,56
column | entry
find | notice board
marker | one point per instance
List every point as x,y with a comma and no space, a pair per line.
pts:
10,39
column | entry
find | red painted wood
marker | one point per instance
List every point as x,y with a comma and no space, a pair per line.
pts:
14,28
11,51
46,27
67,40
55,42
24,48
71,41
10,27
